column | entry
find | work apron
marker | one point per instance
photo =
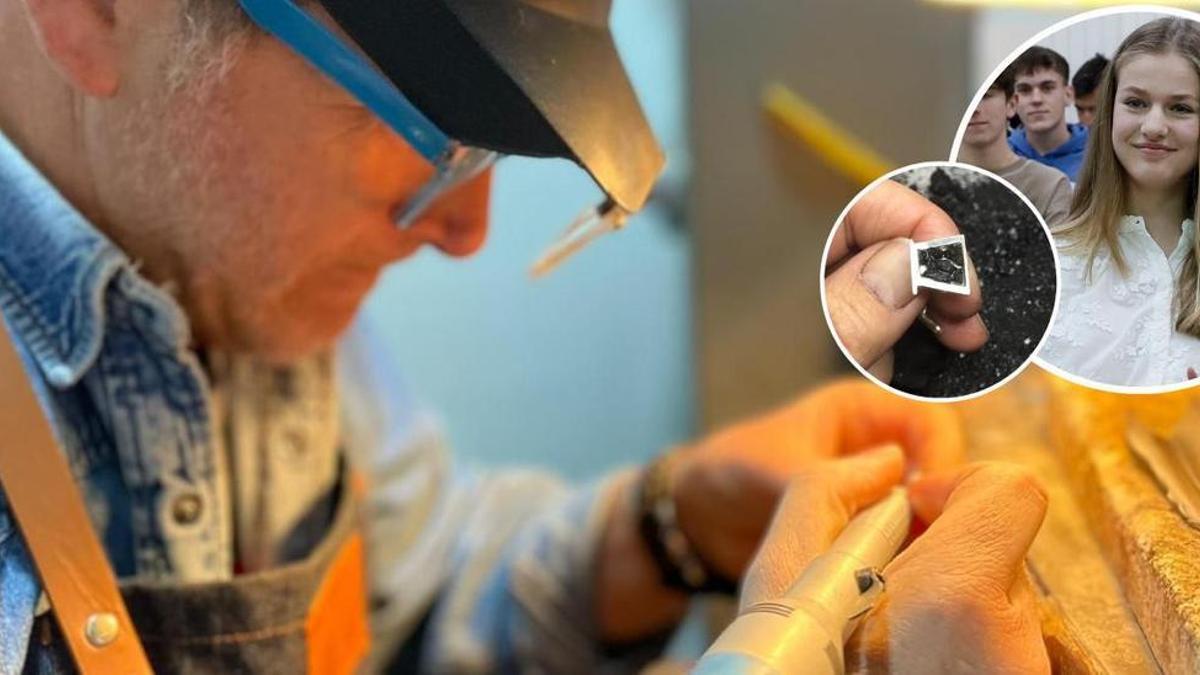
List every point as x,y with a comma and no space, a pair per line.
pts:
306,617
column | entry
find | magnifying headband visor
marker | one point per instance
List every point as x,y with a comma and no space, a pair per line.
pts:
466,82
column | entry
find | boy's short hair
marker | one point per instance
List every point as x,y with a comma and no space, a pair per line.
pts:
1041,58
1006,82
1087,78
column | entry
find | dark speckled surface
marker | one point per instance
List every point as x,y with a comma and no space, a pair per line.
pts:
1015,264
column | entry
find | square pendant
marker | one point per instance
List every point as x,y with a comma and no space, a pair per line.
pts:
940,265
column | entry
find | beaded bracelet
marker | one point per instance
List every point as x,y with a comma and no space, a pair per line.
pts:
680,566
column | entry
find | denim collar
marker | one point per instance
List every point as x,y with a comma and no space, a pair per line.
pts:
55,270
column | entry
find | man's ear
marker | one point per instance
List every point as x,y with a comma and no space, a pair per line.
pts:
1070,95
79,38
1010,107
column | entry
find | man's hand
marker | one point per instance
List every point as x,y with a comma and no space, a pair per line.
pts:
957,598
819,502
868,289
727,486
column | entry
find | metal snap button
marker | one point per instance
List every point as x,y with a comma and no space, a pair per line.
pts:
186,508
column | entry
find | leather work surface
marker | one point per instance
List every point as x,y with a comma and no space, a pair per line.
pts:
1116,565
1148,543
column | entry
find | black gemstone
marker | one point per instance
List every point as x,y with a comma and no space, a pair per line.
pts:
943,264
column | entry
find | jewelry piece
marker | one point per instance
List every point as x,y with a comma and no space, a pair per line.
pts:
680,566
933,326
940,265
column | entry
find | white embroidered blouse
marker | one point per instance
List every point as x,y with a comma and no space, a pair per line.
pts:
1120,330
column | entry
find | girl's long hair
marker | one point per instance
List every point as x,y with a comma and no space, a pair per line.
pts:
1100,197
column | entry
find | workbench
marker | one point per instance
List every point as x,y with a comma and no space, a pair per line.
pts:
1116,564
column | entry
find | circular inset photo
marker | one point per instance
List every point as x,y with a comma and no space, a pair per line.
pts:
939,281
1109,101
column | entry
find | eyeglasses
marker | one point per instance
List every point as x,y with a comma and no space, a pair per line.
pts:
455,163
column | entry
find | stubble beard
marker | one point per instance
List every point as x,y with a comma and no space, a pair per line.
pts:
172,152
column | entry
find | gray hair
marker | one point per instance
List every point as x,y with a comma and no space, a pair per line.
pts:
210,38
215,17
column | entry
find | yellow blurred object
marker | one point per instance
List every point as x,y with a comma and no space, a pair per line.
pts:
838,147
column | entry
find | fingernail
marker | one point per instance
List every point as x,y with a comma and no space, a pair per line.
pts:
888,274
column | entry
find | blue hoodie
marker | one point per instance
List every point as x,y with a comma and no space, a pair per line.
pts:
1067,157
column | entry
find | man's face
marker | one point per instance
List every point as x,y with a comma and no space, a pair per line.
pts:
267,196
989,120
1042,99
1085,107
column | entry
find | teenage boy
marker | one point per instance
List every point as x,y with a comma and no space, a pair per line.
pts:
985,145
1085,82
1043,94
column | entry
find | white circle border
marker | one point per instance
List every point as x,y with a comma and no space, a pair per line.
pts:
957,145
1049,240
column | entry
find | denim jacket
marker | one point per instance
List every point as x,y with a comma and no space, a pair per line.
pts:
498,566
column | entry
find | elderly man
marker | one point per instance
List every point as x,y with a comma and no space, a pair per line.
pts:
195,196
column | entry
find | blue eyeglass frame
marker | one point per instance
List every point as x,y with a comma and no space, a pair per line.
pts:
330,55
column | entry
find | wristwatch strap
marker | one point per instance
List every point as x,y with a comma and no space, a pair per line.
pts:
49,510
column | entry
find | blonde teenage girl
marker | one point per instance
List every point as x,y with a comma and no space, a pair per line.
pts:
1129,312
